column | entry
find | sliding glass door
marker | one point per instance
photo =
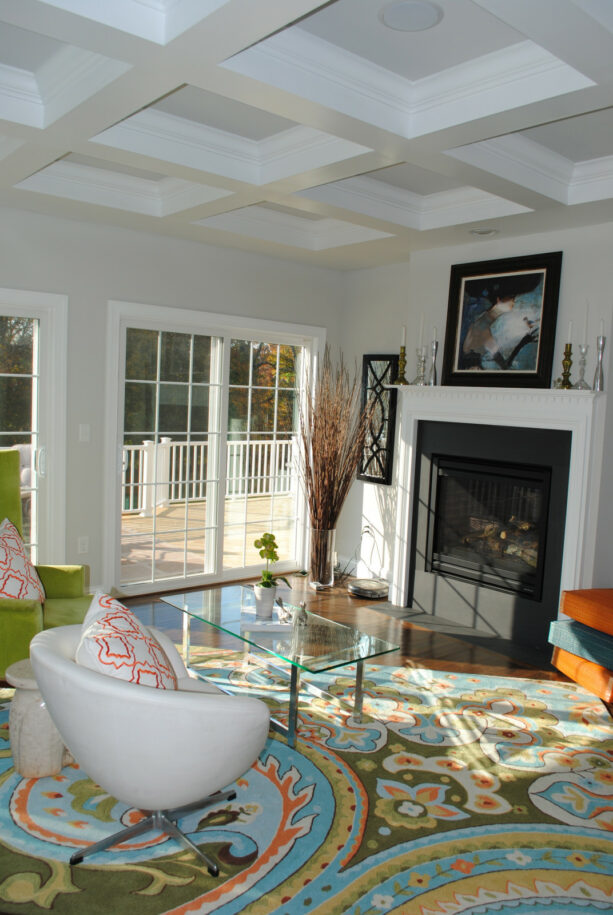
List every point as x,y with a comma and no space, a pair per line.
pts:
208,455
171,441
261,490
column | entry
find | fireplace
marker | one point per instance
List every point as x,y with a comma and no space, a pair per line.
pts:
560,431
487,523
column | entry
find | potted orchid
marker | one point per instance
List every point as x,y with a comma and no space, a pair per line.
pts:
266,588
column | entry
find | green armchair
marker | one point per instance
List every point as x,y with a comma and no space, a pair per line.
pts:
66,600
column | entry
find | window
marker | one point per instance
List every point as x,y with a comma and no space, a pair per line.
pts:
33,411
19,371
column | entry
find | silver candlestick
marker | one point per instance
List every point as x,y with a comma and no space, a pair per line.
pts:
582,384
598,374
432,379
420,378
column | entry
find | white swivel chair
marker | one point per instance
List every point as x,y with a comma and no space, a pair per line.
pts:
162,751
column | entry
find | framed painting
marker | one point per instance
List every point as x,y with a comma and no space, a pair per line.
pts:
501,322
377,457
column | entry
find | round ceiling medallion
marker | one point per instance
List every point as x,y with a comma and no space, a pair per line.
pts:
411,15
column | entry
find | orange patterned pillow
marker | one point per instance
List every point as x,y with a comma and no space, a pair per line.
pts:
114,642
18,577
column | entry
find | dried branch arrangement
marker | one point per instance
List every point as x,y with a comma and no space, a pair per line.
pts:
333,426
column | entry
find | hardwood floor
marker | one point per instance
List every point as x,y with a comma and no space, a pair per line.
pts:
419,645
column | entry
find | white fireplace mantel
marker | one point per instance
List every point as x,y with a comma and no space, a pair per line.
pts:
581,413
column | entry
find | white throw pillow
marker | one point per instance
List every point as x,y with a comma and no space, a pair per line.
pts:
18,577
114,642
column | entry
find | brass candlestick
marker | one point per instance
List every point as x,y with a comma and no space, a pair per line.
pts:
567,361
402,365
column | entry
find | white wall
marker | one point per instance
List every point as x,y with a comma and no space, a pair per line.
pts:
381,300
362,310
93,264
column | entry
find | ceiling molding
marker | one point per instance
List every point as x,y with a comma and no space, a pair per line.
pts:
270,123
522,161
20,99
87,184
159,21
72,76
175,139
285,229
397,205
592,180
299,62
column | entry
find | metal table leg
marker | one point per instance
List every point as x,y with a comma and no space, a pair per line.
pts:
359,695
293,707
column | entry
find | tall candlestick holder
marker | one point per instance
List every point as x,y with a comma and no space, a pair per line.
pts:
432,377
402,365
420,378
598,374
582,384
567,361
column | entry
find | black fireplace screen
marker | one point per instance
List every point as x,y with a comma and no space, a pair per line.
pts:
487,523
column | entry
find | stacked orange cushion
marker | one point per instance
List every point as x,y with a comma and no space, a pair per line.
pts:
594,608
590,606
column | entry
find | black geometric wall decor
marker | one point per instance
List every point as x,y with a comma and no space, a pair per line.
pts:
378,454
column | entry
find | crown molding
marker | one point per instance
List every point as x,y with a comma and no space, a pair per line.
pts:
313,68
402,207
521,160
158,21
86,184
73,75
175,139
286,229
20,99
591,180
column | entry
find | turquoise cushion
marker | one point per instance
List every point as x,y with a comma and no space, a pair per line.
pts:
583,641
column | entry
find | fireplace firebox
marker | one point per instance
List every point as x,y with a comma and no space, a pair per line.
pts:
489,508
487,523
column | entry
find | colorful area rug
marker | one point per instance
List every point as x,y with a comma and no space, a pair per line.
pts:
456,794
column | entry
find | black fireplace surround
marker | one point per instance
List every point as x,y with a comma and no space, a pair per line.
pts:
488,527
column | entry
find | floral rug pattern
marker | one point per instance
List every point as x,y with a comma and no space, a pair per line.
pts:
455,794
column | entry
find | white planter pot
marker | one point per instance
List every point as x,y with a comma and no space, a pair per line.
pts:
264,601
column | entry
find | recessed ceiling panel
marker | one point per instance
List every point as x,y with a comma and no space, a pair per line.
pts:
212,110
25,50
292,229
356,26
415,179
588,136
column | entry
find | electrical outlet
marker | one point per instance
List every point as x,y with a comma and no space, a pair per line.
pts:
83,545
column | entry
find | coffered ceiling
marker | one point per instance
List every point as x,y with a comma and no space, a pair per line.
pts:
308,130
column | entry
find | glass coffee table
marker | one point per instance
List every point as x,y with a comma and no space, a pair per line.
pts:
311,644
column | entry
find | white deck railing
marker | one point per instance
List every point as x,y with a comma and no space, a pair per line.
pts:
155,475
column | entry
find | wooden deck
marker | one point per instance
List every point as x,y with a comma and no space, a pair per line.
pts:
172,548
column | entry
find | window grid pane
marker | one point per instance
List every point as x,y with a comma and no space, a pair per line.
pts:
19,379
172,437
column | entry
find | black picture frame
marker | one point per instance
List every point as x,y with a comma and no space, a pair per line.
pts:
378,454
501,321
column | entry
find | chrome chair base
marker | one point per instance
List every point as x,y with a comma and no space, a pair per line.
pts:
162,822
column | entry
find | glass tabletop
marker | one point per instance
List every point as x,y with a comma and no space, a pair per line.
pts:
316,644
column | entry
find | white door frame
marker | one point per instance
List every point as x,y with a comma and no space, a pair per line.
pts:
178,320
51,310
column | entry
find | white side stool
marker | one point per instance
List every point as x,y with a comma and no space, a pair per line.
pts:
36,745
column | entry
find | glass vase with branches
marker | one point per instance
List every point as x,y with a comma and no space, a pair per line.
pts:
333,428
